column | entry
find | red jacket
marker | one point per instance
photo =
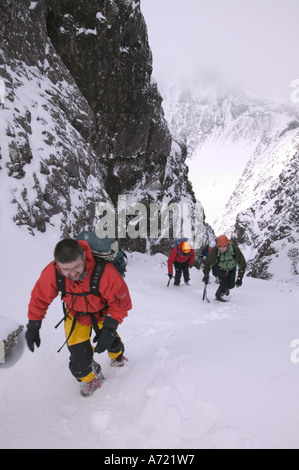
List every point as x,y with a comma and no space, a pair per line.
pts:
177,255
112,287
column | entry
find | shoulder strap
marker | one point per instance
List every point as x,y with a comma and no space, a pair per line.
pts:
60,281
233,248
233,252
96,275
94,290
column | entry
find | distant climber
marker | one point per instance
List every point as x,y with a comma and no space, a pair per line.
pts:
182,258
225,258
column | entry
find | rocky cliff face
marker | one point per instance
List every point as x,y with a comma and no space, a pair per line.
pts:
268,231
104,46
82,121
46,128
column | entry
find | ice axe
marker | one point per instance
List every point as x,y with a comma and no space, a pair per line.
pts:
204,295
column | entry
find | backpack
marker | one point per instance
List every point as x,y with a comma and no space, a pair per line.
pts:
106,249
233,251
178,241
177,244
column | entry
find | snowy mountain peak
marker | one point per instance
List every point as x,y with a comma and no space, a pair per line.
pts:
240,148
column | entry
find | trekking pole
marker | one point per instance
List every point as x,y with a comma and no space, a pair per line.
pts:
168,282
204,295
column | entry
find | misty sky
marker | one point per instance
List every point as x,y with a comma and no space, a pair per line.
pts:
252,41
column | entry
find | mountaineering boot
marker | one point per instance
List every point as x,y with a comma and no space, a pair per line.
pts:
187,283
119,361
88,388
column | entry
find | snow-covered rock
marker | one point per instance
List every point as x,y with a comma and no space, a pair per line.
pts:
9,332
82,121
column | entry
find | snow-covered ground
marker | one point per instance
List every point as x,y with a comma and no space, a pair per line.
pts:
200,375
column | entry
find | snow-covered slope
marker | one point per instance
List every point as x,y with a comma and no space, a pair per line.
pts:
44,176
199,376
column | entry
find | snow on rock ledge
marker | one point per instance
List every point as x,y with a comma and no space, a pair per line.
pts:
9,332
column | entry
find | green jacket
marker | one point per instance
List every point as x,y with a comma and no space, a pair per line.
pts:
217,258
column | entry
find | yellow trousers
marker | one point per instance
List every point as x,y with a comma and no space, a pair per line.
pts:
82,351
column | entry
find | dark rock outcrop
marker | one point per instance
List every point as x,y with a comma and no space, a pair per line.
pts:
9,333
82,120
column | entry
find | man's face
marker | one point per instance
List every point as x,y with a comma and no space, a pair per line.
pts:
223,249
73,270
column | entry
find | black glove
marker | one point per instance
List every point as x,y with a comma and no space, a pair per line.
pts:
238,282
32,334
107,335
205,279
170,276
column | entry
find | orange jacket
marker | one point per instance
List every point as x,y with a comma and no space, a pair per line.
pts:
177,255
112,287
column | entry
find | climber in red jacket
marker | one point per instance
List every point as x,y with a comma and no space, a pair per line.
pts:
103,311
182,257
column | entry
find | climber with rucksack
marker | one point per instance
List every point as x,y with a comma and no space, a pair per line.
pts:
225,258
182,258
95,296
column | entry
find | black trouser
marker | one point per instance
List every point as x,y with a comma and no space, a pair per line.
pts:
181,268
81,350
227,279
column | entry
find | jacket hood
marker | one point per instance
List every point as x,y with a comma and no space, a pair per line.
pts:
87,250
